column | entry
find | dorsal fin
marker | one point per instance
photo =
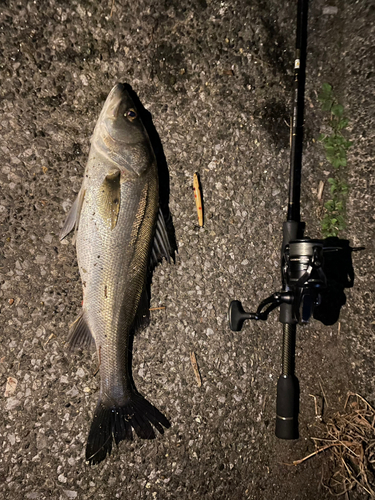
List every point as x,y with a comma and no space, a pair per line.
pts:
161,246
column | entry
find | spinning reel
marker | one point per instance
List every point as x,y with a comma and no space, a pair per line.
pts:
302,276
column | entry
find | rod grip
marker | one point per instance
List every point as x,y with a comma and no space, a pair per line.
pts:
287,407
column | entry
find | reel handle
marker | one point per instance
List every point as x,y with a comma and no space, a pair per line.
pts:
237,316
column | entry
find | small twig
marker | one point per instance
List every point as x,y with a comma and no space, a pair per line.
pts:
320,190
348,448
194,364
264,403
113,4
297,462
49,338
157,308
198,198
315,403
363,399
321,387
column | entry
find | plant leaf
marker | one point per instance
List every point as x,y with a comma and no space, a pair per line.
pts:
337,162
337,110
342,123
327,104
327,88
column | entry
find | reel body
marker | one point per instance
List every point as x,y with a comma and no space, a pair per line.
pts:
302,277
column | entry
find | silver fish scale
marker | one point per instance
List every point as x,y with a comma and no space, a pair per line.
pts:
113,266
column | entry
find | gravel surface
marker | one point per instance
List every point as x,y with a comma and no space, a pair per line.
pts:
217,78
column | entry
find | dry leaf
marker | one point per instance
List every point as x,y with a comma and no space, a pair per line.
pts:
10,386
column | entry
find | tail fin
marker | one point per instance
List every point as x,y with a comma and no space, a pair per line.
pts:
117,422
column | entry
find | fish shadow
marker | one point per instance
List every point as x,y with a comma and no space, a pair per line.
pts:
163,172
143,315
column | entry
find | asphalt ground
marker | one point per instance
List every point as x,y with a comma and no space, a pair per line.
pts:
216,78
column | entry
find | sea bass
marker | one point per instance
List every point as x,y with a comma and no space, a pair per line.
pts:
120,235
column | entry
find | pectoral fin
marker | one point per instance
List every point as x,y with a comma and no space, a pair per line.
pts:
110,198
72,219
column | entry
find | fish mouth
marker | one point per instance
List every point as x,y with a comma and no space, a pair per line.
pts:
114,100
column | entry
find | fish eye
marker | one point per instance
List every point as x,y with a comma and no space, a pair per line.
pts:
130,114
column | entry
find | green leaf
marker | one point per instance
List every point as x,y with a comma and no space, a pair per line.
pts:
331,151
333,221
331,180
341,153
329,205
348,144
339,140
327,88
338,162
342,124
330,141
337,110
327,104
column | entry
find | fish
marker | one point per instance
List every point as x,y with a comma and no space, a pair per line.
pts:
120,235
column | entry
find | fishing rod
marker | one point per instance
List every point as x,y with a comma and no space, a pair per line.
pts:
302,259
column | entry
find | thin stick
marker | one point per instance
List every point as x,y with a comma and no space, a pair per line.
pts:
324,395
113,4
49,338
157,308
316,405
198,199
297,462
320,190
194,364
364,400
